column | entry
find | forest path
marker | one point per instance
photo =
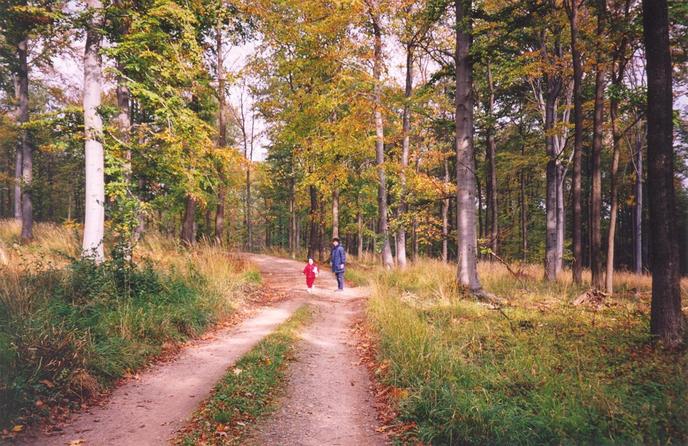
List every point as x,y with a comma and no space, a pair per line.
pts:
327,401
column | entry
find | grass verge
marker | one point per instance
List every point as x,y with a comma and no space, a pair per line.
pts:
541,372
247,390
69,328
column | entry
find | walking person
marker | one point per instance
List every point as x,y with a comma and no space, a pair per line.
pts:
311,272
338,259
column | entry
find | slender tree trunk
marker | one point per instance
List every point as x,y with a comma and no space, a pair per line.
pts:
465,177
551,227
577,230
335,213
188,234
18,155
596,187
293,227
491,157
249,224
313,244
94,219
638,210
26,148
616,138
222,132
406,130
383,229
445,217
359,225
561,218
666,318
617,79
524,212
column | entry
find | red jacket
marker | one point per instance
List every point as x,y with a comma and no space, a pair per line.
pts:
310,270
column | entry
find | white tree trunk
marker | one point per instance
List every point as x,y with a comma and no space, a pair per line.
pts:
95,180
465,176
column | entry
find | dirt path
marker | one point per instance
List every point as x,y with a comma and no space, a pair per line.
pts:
327,400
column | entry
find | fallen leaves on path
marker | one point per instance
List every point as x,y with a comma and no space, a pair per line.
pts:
386,397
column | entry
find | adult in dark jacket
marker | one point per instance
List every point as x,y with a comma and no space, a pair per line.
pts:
338,260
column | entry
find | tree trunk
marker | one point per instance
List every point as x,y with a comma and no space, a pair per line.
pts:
359,225
618,69
491,158
666,318
638,210
577,230
596,187
18,155
335,213
222,132
313,243
26,149
293,227
94,210
551,227
249,224
465,178
188,234
406,130
445,217
561,217
616,140
383,229
524,212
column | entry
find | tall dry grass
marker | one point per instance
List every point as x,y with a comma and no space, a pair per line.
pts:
78,326
538,371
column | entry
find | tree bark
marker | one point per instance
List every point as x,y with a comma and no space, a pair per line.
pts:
577,230
188,234
561,217
638,210
222,132
465,175
524,211
26,148
313,243
596,186
618,70
18,155
94,210
406,130
551,227
293,227
445,216
335,213
491,156
359,225
666,318
383,229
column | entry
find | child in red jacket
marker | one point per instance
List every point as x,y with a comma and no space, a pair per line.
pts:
311,271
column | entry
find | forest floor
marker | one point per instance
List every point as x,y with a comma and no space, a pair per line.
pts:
328,396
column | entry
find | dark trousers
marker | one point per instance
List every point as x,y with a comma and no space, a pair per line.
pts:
340,280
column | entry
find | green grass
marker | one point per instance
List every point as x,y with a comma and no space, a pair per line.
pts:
247,390
543,372
68,332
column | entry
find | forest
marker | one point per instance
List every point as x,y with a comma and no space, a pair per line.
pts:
518,155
